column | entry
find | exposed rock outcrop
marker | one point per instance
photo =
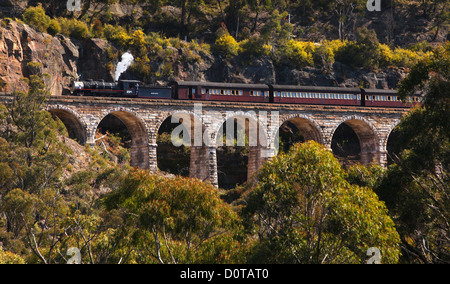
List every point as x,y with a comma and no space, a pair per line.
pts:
20,44
63,58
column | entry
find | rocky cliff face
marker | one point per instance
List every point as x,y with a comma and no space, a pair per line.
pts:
66,59
20,44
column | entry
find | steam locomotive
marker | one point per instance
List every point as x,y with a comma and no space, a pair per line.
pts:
238,92
122,88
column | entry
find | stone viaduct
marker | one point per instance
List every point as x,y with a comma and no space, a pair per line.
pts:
143,118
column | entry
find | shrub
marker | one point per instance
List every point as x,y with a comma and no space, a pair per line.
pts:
364,52
324,54
73,28
54,27
36,18
254,47
97,28
7,257
386,55
405,57
227,45
298,53
137,42
399,57
117,34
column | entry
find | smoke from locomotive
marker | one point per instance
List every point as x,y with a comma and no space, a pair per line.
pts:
122,66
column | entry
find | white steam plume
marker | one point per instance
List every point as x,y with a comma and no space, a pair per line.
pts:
127,59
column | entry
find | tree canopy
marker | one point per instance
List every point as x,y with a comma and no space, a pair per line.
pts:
304,211
416,188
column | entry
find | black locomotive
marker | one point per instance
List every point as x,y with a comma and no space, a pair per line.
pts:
122,88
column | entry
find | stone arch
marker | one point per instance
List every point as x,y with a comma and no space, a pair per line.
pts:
195,120
136,126
252,125
258,143
384,140
388,142
309,128
369,138
192,130
74,123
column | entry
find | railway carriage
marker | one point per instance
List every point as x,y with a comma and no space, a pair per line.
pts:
316,95
237,92
386,98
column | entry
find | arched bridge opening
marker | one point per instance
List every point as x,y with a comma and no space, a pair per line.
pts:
355,141
75,128
132,134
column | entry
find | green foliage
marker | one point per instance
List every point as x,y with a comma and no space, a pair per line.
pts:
54,27
303,211
365,176
364,52
7,257
175,220
254,47
325,54
36,17
416,188
297,53
73,28
227,45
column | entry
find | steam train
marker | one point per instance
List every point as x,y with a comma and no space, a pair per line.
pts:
238,92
